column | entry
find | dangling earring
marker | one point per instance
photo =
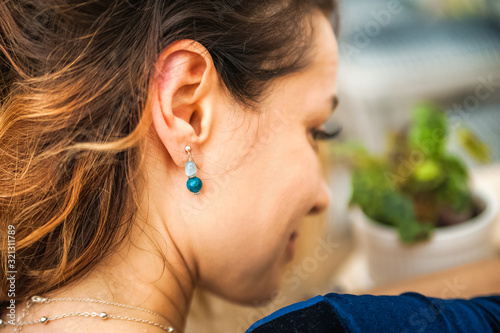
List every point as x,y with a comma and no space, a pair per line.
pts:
194,183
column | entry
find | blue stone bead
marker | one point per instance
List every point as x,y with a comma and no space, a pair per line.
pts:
191,169
194,184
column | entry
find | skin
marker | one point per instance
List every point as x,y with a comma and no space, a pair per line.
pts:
260,174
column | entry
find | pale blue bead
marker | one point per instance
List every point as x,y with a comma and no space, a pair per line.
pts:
191,169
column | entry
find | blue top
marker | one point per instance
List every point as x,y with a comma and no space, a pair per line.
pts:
408,312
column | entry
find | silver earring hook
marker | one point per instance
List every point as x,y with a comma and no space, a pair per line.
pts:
188,151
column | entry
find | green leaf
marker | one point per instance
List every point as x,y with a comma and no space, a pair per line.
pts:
455,191
411,231
427,171
428,132
477,149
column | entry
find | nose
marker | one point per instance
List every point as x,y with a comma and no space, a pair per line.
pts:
322,201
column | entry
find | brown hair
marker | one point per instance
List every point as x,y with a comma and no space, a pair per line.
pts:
74,82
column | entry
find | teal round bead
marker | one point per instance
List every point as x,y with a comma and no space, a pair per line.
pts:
190,169
194,184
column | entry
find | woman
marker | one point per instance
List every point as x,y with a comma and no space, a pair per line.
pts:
151,147
100,101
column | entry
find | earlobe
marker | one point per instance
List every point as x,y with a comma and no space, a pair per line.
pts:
184,94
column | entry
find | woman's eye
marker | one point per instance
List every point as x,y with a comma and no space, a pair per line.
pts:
322,135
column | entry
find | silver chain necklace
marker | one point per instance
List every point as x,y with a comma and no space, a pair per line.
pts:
102,315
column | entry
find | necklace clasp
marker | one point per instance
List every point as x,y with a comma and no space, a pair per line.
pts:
38,299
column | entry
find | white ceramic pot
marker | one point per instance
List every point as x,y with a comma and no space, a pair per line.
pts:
389,260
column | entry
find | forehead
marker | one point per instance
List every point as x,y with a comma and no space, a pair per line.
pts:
305,92
317,84
325,59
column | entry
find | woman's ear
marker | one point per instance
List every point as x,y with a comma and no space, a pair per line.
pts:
184,92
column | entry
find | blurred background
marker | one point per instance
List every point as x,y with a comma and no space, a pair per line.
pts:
394,54
397,54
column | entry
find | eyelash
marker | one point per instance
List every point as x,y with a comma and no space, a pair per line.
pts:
320,135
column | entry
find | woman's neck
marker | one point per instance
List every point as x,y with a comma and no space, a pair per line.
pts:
145,273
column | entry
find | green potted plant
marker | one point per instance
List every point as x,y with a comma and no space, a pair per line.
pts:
414,209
